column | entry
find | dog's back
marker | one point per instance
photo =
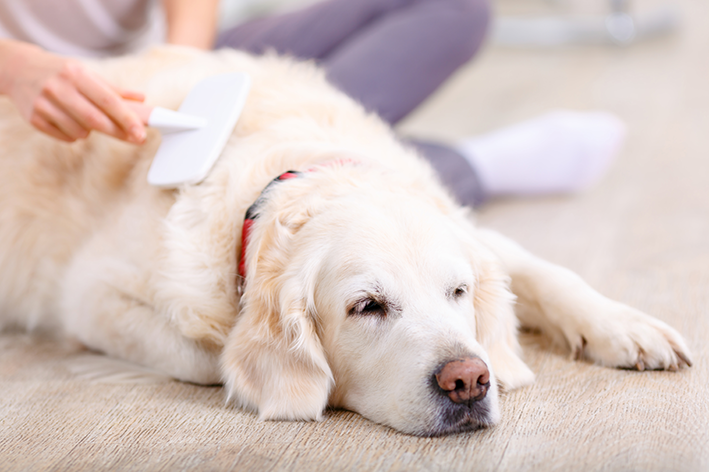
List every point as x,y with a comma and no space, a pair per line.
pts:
54,197
51,196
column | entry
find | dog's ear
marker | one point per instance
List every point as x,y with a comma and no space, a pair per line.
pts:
495,320
496,325
273,361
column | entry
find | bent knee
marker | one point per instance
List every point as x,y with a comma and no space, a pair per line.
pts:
466,23
477,13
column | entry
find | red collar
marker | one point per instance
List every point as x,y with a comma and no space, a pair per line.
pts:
253,212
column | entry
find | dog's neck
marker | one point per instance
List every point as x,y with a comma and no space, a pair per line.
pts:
253,211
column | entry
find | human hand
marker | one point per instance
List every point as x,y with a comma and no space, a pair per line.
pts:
62,98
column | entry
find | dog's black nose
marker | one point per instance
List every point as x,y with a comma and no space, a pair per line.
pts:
464,380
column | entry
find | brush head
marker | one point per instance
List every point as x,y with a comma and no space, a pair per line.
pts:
186,157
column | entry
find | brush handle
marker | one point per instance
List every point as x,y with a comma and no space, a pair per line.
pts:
169,121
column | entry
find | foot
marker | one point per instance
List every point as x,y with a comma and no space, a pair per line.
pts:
628,338
559,152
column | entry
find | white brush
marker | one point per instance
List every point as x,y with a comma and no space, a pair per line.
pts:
194,136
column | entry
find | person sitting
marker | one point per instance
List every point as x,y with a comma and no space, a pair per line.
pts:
390,55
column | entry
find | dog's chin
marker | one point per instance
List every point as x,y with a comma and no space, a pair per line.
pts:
455,418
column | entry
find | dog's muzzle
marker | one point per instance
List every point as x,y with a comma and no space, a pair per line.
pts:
462,386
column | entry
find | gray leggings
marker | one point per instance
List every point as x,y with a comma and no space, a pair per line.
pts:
390,55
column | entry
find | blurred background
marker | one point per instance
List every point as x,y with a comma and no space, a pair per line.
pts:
548,54
617,55
652,72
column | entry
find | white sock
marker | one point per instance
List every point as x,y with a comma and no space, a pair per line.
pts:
559,152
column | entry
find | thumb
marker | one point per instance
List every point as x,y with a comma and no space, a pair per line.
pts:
143,111
129,94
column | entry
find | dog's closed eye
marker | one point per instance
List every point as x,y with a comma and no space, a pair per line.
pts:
368,307
458,292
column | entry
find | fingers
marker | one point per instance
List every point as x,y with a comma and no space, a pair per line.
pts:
47,115
77,97
129,94
110,103
143,111
62,105
46,127
64,99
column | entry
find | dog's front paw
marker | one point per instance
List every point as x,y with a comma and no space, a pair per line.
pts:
627,338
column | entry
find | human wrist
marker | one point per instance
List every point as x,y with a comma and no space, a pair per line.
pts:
13,57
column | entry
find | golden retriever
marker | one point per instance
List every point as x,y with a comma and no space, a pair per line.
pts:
366,286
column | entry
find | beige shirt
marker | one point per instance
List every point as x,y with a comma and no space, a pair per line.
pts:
89,28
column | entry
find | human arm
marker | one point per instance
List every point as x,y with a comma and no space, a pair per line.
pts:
191,22
62,98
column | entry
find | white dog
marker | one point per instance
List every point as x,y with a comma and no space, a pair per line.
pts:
365,286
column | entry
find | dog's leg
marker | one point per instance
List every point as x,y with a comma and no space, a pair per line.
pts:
559,302
119,324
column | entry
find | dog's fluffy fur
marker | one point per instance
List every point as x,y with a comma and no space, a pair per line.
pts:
149,275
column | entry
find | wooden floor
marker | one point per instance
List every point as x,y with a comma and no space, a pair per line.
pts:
641,236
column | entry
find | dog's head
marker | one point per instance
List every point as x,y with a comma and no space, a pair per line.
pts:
374,300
